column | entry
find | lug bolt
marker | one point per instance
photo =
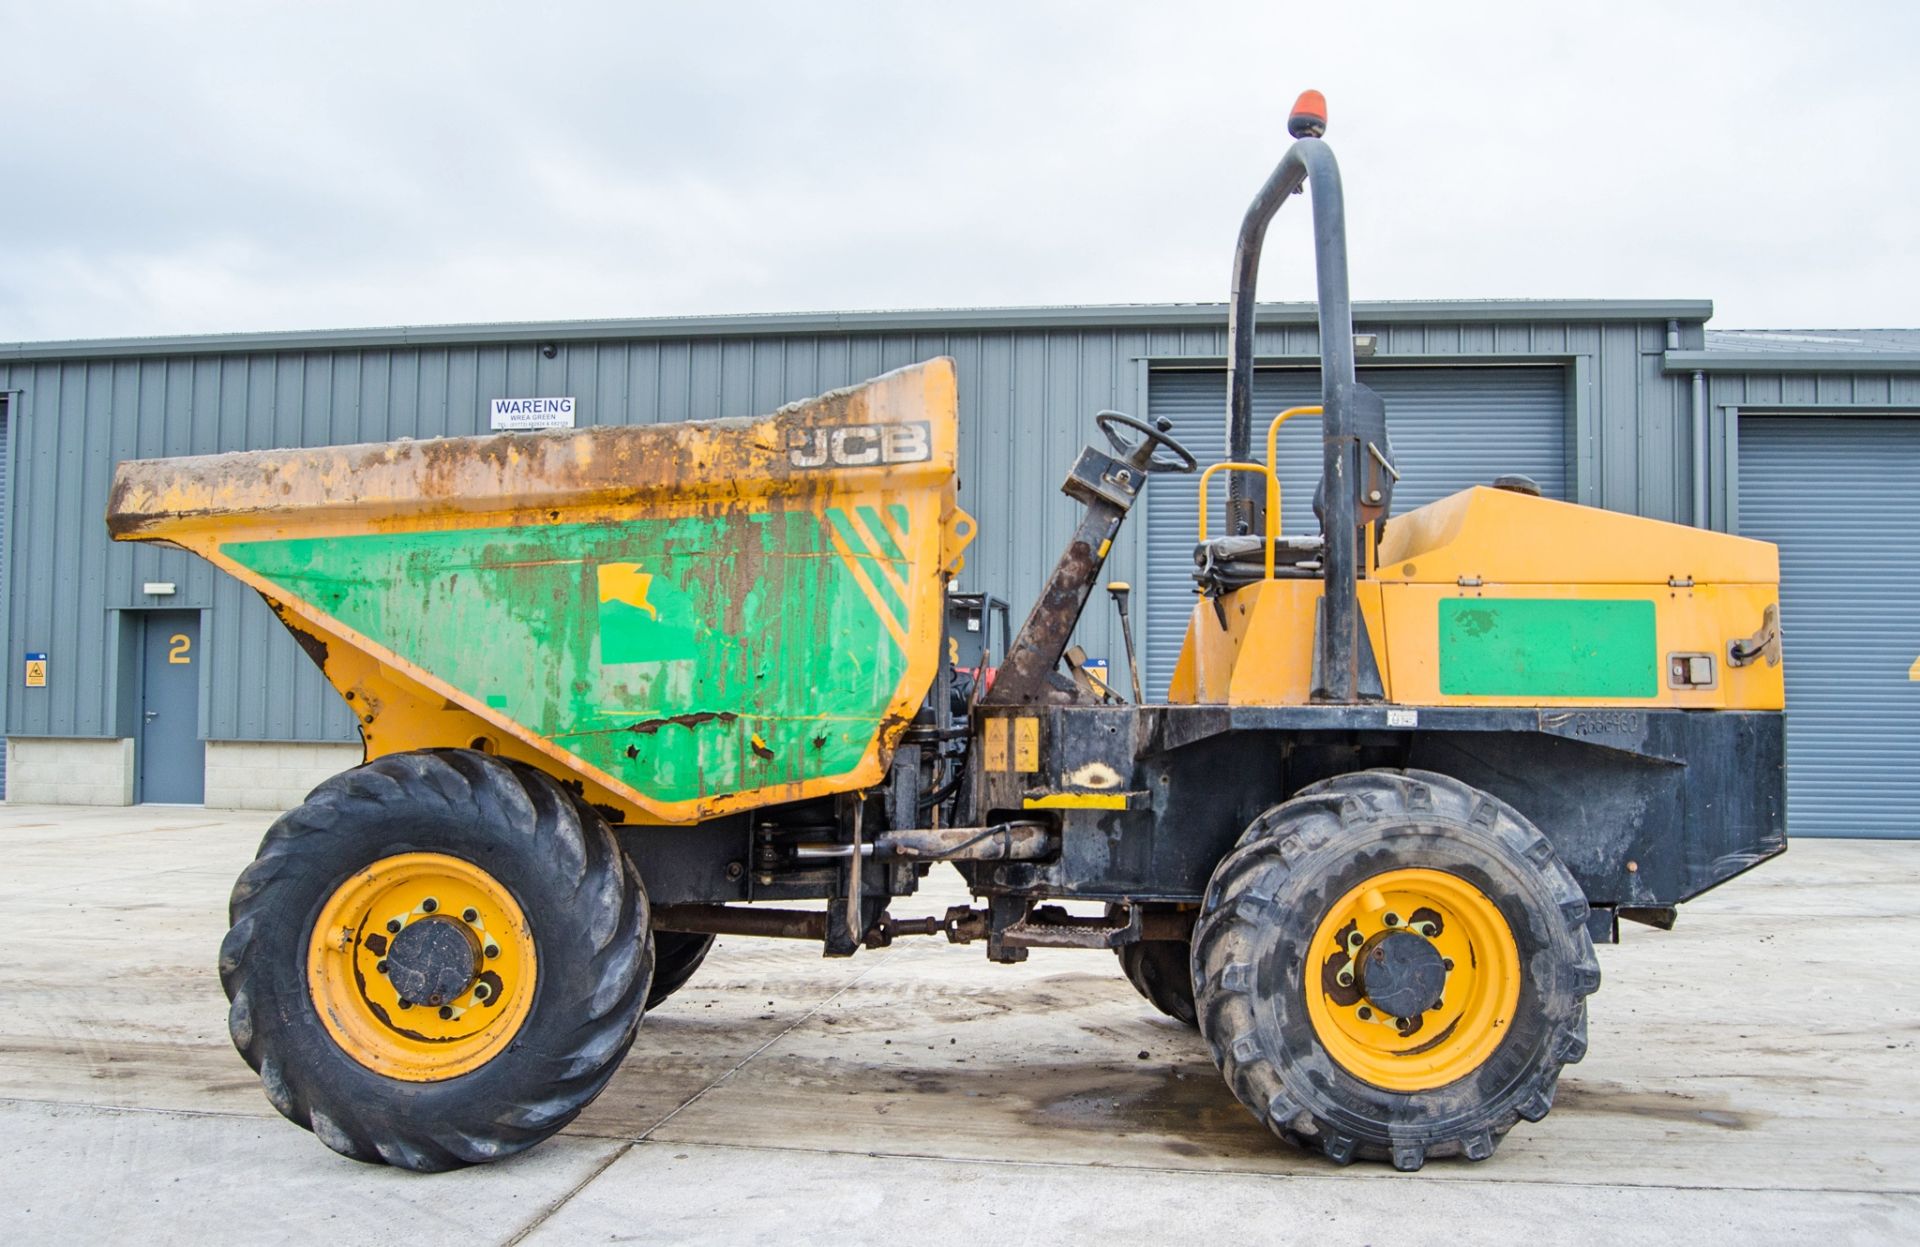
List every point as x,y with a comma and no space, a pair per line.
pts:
393,924
1392,920
1439,1004
1366,1014
493,950
1447,962
481,991
445,1013
469,915
429,904
379,967
405,1003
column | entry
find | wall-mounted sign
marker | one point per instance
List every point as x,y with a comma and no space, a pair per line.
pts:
36,670
532,413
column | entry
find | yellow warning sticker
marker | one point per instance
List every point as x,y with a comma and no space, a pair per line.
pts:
1026,744
994,756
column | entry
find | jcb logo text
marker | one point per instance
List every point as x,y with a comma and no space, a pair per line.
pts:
860,445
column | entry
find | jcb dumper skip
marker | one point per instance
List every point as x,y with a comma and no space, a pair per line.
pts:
625,689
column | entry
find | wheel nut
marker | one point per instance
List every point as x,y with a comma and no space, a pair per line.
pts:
493,950
429,904
1392,920
1366,1014
1447,962
470,915
379,967
393,924
481,991
405,1003
445,1013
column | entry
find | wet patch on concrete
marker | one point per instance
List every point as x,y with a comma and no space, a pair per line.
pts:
1674,1106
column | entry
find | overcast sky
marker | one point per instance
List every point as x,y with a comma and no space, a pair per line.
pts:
200,167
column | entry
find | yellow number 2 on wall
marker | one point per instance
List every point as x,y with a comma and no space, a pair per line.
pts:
180,648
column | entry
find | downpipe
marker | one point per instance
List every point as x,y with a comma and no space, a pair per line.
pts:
1699,449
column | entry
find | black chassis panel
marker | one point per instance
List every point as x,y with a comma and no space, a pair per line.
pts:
1647,807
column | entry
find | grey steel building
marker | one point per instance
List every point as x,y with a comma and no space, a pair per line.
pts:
166,682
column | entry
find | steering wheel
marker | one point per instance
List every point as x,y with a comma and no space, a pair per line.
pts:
1139,451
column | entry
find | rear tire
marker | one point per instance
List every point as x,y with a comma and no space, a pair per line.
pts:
676,955
1320,1061
566,924
1162,972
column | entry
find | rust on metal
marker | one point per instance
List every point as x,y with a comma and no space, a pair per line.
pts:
784,924
689,620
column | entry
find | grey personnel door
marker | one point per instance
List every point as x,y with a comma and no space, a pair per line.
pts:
172,759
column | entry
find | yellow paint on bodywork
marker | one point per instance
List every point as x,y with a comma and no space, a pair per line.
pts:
625,582
1707,589
1077,801
1514,538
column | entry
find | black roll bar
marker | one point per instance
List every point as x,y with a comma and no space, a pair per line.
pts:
1308,161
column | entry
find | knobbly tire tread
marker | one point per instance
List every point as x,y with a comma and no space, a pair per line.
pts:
1289,866
583,901
676,955
1160,970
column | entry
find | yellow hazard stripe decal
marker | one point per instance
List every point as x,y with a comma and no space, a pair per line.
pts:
1078,801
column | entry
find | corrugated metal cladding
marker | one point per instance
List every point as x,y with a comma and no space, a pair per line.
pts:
1028,394
1833,493
1451,427
5,476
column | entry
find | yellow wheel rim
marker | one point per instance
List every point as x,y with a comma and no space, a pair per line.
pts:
386,922
1448,1037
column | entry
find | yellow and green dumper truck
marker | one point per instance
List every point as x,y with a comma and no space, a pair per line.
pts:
624,690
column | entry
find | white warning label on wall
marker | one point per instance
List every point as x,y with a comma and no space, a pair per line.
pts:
532,413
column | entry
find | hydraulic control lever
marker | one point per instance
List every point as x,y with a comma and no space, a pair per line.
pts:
1108,486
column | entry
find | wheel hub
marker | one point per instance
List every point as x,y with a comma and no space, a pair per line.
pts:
421,966
433,961
1401,974
1414,980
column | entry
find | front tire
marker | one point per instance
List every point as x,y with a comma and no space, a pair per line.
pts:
1393,965
438,960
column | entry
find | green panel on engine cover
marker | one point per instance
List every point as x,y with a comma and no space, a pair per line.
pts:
686,657
1548,647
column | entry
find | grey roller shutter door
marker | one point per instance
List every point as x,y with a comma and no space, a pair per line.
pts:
1837,496
1451,428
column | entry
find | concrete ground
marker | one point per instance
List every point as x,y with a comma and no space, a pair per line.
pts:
1752,1076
